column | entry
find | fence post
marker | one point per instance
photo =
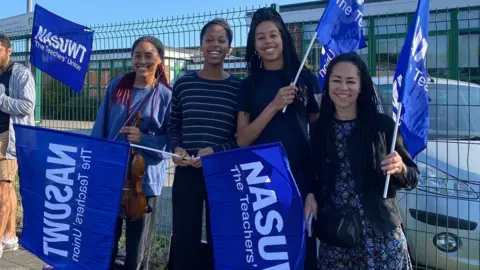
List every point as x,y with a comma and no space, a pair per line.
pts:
452,37
372,47
276,7
38,94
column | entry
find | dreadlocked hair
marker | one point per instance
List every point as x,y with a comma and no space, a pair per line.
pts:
367,103
122,92
291,61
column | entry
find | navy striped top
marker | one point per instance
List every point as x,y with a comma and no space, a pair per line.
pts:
204,113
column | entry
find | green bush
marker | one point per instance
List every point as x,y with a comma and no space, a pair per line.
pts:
77,109
59,102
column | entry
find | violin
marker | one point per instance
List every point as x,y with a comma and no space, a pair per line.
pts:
134,202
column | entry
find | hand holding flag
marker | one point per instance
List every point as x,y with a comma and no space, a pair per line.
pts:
410,93
339,30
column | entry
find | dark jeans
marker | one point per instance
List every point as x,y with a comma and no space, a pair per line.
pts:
188,195
139,235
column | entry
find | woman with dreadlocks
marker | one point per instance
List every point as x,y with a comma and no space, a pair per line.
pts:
272,63
145,90
351,155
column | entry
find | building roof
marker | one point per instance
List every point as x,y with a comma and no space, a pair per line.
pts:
313,10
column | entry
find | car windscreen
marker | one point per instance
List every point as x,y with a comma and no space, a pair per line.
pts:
454,110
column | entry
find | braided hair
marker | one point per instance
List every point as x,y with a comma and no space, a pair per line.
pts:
291,61
122,92
365,123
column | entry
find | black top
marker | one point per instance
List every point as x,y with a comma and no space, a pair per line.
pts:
4,86
289,128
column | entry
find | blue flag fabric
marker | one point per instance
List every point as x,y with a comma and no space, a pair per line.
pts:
339,31
410,83
256,209
71,187
60,48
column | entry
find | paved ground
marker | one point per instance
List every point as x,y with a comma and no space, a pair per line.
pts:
23,259
20,259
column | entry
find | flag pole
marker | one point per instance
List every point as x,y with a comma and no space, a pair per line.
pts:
157,151
394,139
303,63
154,150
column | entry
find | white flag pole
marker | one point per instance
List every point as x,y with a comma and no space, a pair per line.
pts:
157,151
394,139
154,150
303,63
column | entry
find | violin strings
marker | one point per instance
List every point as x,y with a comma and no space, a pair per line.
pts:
130,117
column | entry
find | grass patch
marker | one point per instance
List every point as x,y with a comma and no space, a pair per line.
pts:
158,252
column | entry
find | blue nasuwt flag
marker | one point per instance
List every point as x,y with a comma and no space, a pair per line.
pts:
410,83
256,211
339,30
60,48
71,187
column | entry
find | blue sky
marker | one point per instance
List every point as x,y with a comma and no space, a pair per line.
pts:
101,12
90,12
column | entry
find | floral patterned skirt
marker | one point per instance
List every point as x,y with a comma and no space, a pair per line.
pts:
389,251
374,252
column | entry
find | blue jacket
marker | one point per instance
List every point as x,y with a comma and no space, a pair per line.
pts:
110,120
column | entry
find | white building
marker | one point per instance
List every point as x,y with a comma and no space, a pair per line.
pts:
454,38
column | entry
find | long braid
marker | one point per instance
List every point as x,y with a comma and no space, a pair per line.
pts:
123,90
161,76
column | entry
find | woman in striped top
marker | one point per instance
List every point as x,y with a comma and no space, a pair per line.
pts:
203,121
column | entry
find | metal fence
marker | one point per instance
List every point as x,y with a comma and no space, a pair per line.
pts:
441,217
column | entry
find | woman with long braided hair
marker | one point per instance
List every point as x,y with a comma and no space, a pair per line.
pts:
273,63
351,155
145,89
